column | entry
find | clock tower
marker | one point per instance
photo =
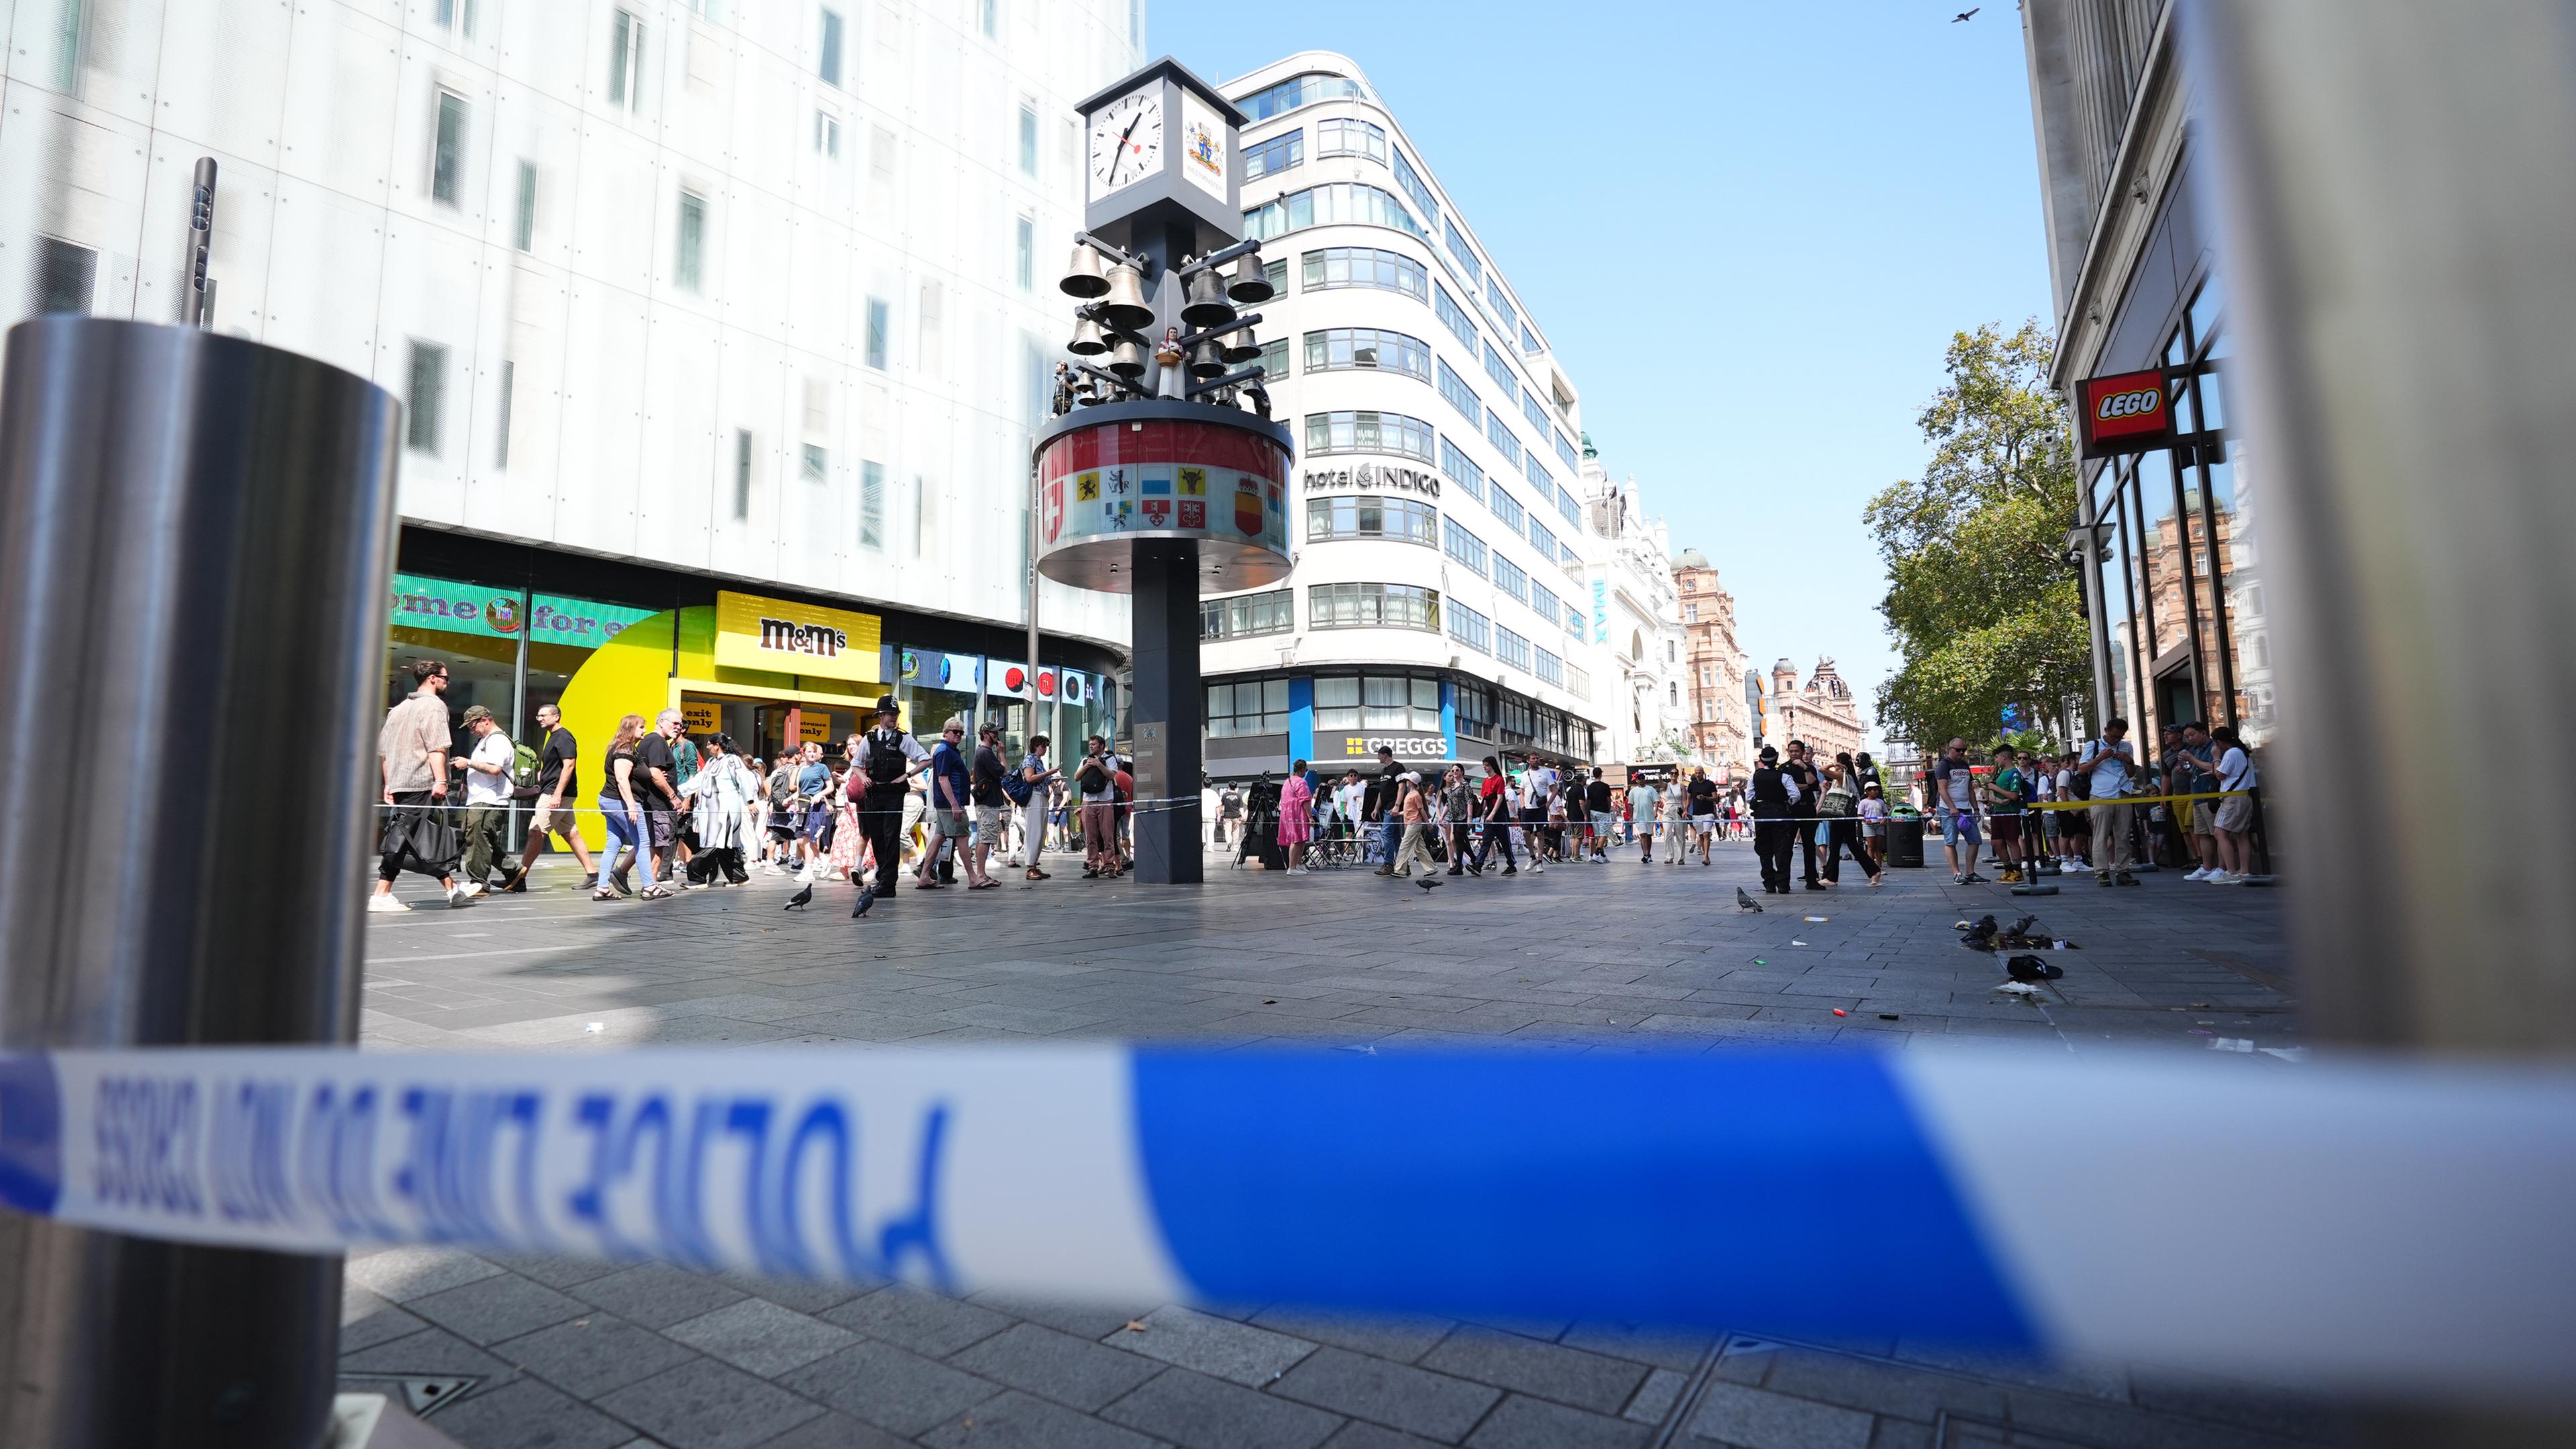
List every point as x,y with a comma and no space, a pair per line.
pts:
1159,163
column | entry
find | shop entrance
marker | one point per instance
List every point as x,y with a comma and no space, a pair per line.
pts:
2174,698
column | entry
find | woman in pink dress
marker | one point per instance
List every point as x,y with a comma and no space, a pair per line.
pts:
1296,817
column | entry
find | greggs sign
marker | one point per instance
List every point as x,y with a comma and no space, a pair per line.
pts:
2126,412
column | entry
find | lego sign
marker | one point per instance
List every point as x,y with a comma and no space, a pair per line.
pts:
2125,412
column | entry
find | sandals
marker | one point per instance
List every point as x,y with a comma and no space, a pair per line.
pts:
985,885
606,896
655,893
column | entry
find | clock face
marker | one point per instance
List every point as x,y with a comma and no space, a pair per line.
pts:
1127,141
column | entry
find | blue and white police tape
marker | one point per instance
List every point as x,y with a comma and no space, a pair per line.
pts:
2389,1227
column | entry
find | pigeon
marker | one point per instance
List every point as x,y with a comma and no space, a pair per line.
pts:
1964,14
1745,902
2031,968
867,898
803,894
1429,882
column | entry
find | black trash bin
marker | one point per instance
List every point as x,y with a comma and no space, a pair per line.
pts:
1905,841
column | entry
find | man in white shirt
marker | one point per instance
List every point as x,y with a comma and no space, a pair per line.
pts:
1641,816
2109,762
487,794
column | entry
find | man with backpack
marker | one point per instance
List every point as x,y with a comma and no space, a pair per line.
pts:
879,780
2105,771
1096,782
487,794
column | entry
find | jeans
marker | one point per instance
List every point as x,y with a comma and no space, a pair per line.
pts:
625,832
1497,831
1389,831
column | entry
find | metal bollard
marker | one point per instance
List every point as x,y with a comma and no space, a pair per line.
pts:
196,535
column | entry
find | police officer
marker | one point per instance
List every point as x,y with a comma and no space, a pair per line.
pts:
882,776
1774,824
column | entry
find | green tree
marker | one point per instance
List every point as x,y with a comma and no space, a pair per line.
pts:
1983,606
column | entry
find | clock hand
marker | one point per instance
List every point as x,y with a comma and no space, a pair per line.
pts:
1131,128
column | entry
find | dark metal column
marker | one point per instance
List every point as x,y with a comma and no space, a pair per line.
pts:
196,539
1166,712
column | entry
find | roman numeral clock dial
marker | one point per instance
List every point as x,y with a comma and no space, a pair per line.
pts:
1127,142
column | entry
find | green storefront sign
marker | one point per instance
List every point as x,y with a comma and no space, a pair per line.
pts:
495,613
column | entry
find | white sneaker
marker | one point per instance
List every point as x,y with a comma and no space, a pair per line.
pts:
2226,877
470,889
1537,869
385,905
459,897
2204,873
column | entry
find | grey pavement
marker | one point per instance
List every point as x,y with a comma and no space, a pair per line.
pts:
506,1353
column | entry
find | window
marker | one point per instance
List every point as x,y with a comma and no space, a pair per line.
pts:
1465,253
1512,649
1337,703
1400,702
1530,345
992,18
625,61
1566,556
501,427
1546,604
1339,348
741,474
1574,621
1274,358
1501,372
1460,395
447,154
1360,606
456,15
1690,615
1247,615
1501,437
1551,669
1475,706
1465,547
1565,453
1275,155
877,330
1409,181
524,230
66,276
1536,412
1453,316
1351,136
1363,267
1539,478
1476,632
1578,683
829,67
1401,520
872,505
1027,267
1505,506
1297,91
692,262
1568,509
428,391
827,135
1513,721
1462,470
1509,578
814,464
1342,203
1368,432
1276,274
1252,707
1028,135
1510,319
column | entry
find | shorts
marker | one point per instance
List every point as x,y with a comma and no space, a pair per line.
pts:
1704,824
2236,813
988,823
816,817
2006,828
781,827
951,823
661,828
1958,827
552,820
2200,817
1603,822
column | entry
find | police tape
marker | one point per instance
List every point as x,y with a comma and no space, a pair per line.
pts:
1152,806
2133,800
2387,1227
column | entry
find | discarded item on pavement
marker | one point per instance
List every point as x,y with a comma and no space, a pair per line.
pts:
2031,968
1887,1016
2019,988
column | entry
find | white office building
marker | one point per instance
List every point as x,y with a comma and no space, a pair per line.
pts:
1636,620
723,297
1434,604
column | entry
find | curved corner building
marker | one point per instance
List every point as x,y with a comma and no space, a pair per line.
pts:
1436,601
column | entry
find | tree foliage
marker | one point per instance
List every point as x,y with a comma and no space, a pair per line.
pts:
1983,606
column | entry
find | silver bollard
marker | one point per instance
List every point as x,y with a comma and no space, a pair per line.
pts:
196,538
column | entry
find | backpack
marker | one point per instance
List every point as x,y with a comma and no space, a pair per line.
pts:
886,763
1091,778
1015,786
524,763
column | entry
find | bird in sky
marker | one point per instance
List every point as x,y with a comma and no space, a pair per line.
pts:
1744,902
804,893
1964,14
867,898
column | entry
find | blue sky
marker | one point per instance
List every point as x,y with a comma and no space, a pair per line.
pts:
1748,230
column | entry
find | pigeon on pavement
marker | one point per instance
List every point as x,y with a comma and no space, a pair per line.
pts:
1429,882
803,894
867,898
1744,902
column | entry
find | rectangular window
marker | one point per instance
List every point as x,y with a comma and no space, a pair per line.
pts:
877,331
741,474
1340,348
814,463
1503,312
67,52
1026,268
1476,710
1566,507
1545,543
447,156
428,391
1565,453
1462,470
1536,412
1505,506
1275,155
1274,359
1351,136
1465,547
1538,476
1339,203
1574,621
1545,603
1473,630
1460,248
1460,395
1368,432
1028,141
625,60
1578,683
1251,707
992,18
1509,578
1453,316
1501,437
1337,703
1361,267
1504,378
1360,606
1409,181
1383,704
1551,669
1511,648
1530,345
456,15
692,257
1400,520
501,424
524,230
66,276
872,505
1247,615
830,67
827,136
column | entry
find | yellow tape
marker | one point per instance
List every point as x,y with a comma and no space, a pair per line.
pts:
2132,800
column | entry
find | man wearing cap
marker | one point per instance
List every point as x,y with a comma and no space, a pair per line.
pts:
487,794
880,779
1774,826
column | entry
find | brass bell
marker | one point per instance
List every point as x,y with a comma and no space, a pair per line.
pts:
1126,306
1083,279
1087,391
1251,284
1240,348
1207,360
1087,339
1207,306
1127,359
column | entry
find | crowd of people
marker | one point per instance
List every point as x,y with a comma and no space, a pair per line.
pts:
683,812
2194,800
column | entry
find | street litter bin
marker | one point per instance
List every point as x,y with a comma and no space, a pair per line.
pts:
1905,841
